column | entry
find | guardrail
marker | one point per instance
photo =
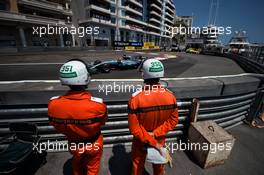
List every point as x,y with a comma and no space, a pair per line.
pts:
251,61
226,100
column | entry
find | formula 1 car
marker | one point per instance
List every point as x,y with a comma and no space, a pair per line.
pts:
128,62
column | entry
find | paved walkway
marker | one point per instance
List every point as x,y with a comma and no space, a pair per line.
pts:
247,158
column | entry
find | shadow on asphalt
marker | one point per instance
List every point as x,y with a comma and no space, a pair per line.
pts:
67,167
119,163
31,165
122,160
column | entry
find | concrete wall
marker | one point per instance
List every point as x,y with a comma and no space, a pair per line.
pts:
27,93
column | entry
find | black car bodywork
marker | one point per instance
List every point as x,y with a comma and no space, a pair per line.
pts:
128,62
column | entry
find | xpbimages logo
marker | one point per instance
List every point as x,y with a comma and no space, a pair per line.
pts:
204,146
212,30
57,30
108,88
57,146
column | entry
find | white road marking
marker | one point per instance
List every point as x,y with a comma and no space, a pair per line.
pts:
127,80
29,64
29,81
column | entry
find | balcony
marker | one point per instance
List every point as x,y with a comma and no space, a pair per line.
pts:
100,9
170,10
155,6
169,21
167,14
155,14
155,27
135,20
154,33
97,20
167,27
136,3
33,19
158,2
155,20
133,11
170,3
46,5
132,28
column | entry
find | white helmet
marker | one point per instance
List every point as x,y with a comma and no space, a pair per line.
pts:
74,72
152,68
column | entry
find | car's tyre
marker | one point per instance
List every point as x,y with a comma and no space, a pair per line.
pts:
106,68
97,62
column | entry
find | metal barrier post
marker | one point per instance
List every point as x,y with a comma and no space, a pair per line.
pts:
194,110
255,107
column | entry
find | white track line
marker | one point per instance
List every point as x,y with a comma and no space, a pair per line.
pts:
129,80
29,64
29,81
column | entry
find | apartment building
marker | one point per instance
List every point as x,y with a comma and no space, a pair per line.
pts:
184,22
17,17
127,21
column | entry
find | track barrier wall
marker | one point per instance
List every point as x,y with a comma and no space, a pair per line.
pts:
228,100
251,62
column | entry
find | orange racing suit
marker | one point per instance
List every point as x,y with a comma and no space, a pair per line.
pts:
79,116
150,111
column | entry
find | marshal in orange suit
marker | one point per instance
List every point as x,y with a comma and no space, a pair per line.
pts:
79,116
153,113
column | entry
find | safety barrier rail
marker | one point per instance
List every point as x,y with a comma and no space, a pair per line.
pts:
251,62
228,109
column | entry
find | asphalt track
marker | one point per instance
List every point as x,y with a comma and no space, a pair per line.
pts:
246,158
184,65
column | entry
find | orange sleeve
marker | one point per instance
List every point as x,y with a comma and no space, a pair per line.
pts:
59,128
105,115
168,125
136,129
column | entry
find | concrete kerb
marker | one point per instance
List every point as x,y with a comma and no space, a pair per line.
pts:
39,91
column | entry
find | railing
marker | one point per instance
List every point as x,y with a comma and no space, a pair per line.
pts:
256,54
48,5
226,100
227,111
31,18
252,61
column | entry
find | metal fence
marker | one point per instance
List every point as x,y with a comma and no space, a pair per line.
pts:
257,54
252,61
227,100
227,111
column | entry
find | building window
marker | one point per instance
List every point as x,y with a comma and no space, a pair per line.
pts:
112,9
123,13
138,39
121,35
123,2
2,6
113,20
123,22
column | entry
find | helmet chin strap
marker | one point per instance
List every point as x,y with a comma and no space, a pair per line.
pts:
88,78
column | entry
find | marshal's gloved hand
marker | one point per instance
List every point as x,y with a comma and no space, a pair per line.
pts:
169,159
159,156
